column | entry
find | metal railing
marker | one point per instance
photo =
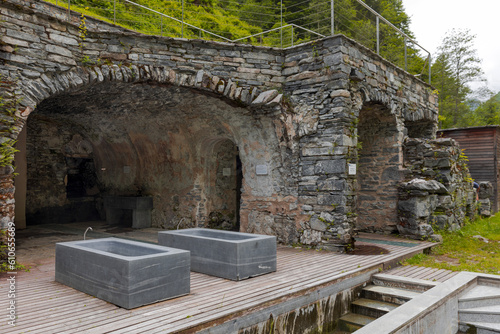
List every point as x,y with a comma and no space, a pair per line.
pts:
406,38
322,16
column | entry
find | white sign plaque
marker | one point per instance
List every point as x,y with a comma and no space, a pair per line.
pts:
352,169
261,169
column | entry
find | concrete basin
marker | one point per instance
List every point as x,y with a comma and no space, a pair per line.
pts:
231,255
123,272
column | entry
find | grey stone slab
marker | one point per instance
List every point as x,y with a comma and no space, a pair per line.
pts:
123,272
410,283
480,314
486,327
481,292
403,294
231,255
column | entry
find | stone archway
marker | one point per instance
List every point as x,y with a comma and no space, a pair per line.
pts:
143,139
379,169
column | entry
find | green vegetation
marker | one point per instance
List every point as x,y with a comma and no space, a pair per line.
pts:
8,104
460,251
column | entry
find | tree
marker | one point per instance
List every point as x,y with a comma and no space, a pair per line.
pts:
457,65
488,112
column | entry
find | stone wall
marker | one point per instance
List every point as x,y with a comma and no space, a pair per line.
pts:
318,128
331,84
438,193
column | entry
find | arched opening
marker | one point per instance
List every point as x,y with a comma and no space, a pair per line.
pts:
380,162
119,139
224,190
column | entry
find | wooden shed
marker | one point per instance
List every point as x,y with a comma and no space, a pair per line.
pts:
481,145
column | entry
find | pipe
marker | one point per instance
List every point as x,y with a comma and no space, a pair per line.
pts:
85,234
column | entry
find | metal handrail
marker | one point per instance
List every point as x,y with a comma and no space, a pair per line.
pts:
180,21
378,16
279,28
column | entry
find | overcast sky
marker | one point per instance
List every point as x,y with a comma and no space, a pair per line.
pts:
431,19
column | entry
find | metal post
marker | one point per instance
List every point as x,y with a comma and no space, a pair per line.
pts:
161,25
281,30
69,8
406,61
292,35
182,28
429,68
114,11
378,35
332,16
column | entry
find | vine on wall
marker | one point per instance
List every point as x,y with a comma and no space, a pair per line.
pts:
8,107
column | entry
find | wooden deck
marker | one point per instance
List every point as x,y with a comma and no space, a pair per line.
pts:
45,306
430,274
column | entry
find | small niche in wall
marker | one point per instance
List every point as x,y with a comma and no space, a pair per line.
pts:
81,179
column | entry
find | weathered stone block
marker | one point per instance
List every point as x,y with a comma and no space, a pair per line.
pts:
485,207
316,224
431,186
337,185
330,199
485,190
63,39
330,166
441,221
334,59
418,207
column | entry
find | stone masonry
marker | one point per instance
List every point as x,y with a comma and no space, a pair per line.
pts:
305,143
438,193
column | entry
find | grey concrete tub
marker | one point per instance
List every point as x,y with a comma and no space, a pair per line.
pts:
123,272
226,254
